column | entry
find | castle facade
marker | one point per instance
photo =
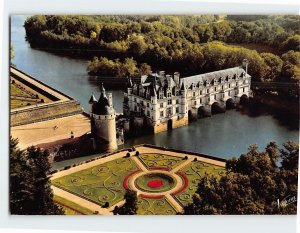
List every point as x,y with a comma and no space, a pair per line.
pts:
167,101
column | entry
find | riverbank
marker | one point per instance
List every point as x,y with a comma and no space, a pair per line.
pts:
278,102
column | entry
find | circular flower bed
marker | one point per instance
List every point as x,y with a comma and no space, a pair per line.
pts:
155,182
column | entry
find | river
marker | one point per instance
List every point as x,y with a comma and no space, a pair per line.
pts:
223,135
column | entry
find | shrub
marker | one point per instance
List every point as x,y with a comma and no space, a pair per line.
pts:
67,167
106,205
116,210
127,155
137,153
195,159
54,171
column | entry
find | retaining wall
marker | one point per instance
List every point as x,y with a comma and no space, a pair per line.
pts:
42,112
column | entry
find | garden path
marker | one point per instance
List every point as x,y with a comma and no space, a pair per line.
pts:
80,201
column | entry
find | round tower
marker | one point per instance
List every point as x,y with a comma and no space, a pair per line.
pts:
104,122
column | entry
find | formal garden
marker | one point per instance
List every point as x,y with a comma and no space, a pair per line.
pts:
20,97
164,183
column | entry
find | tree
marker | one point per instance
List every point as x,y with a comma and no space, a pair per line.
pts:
20,181
145,69
30,189
128,67
130,206
93,35
292,43
42,194
12,54
253,184
138,45
291,66
274,66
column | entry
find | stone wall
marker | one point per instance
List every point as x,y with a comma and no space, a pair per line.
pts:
180,122
42,112
161,127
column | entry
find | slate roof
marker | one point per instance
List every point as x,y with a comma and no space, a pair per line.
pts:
92,99
154,83
101,107
210,77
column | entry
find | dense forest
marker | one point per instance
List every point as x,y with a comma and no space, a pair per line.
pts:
133,45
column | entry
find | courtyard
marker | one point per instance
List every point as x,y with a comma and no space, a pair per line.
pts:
164,181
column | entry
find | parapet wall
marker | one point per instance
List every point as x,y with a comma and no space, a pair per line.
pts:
37,85
58,104
43,112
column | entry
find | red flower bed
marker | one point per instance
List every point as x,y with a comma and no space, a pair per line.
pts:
125,182
152,196
186,183
155,183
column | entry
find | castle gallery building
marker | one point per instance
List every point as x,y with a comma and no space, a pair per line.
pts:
168,101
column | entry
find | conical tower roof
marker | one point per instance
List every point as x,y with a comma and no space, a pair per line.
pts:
92,99
102,106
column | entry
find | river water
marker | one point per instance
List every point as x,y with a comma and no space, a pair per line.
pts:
223,135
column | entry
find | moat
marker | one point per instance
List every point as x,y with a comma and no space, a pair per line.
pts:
224,135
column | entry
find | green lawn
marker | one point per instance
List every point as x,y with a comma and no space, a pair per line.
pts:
155,207
74,209
143,182
21,103
194,171
16,91
160,160
99,184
